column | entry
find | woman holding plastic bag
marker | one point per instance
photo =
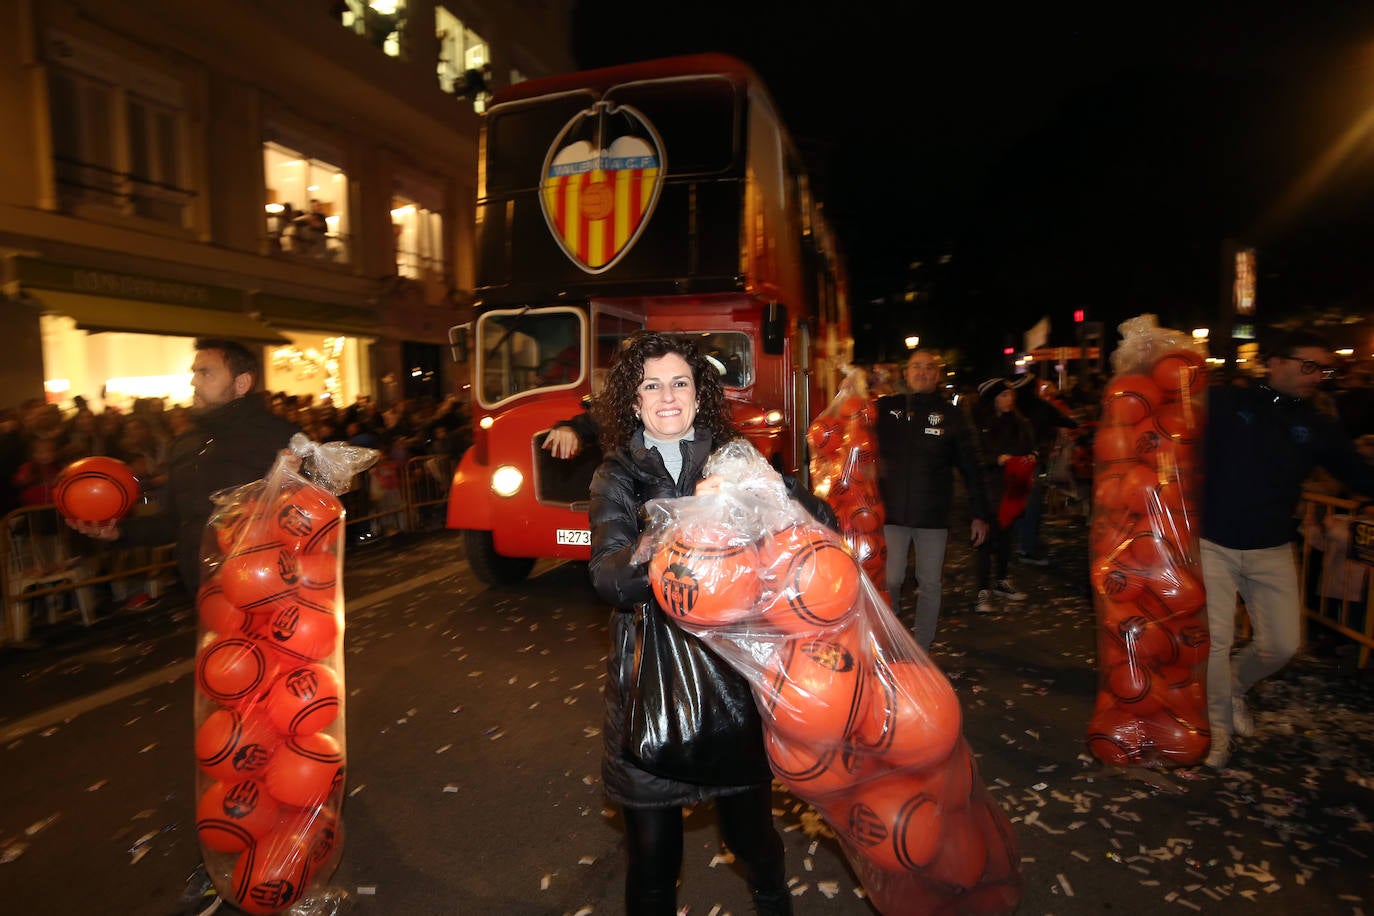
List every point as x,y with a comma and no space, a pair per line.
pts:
661,414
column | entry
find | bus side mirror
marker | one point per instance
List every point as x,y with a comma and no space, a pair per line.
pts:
458,342
774,328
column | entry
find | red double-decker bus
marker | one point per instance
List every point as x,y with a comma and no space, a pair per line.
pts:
663,195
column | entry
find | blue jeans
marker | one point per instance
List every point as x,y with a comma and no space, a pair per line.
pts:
1267,581
930,564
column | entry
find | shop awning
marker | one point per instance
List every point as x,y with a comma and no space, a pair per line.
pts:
105,313
311,315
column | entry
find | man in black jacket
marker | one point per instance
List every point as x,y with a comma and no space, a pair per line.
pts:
234,440
1263,440
922,437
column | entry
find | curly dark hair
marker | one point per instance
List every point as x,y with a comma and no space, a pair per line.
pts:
614,408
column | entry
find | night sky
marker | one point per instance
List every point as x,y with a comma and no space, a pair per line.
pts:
1037,162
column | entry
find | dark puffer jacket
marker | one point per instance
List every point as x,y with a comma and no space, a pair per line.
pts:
921,439
624,482
227,447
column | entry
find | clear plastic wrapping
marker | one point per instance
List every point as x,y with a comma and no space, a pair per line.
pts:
844,472
269,698
858,721
1152,639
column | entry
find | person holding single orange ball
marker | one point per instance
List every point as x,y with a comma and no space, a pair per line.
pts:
661,414
234,440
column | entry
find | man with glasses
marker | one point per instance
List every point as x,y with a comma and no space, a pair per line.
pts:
921,438
1262,442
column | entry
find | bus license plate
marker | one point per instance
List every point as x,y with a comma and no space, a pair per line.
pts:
578,537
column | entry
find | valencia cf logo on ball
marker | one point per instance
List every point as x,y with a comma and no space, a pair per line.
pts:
601,181
680,589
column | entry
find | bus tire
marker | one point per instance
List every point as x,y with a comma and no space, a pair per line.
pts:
491,567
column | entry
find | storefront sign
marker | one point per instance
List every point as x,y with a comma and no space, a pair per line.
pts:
50,275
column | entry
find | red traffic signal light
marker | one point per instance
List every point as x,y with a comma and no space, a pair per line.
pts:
1078,316
1008,351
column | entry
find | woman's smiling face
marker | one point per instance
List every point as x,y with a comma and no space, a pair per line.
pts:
667,402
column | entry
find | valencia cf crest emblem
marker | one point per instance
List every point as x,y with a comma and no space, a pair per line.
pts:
601,180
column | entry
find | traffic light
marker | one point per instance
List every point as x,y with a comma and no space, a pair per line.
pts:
1008,351
1078,316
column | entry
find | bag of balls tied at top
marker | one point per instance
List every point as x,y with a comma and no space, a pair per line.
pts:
844,471
858,722
269,708
1144,562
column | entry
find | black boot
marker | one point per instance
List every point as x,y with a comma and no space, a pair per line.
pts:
773,903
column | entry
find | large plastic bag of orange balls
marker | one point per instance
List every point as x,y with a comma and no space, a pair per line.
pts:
269,698
844,472
1144,562
859,723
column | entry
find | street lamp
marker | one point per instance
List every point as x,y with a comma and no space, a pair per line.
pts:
912,342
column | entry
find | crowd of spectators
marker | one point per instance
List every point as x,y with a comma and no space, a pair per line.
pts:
38,439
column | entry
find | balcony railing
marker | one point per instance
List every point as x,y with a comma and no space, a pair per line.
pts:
87,184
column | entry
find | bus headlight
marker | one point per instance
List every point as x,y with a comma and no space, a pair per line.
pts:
507,480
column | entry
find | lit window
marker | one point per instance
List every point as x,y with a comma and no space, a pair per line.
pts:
464,59
379,21
419,232
114,147
307,205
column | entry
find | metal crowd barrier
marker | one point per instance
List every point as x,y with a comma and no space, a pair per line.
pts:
1336,590
46,569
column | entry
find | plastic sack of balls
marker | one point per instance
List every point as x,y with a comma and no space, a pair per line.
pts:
1152,639
844,472
269,700
858,722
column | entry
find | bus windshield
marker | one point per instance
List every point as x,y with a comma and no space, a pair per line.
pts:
525,350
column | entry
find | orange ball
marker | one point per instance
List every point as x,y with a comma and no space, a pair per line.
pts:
272,875
963,852
257,576
217,613
813,771
866,519
1112,444
232,816
1174,738
706,580
911,714
1114,736
319,577
813,580
1111,579
306,770
893,824
1128,399
1146,641
300,631
304,700
811,689
1134,688
307,518
233,744
825,435
233,670
1138,489
857,409
96,489
231,523
1179,373
1004,853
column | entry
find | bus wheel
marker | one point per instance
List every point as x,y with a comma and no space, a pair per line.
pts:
488,565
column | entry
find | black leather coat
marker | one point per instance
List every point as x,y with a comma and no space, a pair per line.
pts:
624,482
227,447
922,438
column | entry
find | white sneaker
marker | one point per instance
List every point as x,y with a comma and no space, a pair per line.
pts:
1008,591
984,603
1242,723
1220,753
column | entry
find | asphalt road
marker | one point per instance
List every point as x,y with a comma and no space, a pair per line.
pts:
473,720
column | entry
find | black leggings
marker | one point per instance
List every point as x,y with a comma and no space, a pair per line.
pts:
653,837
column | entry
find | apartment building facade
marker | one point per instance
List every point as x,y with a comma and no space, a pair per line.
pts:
301,175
